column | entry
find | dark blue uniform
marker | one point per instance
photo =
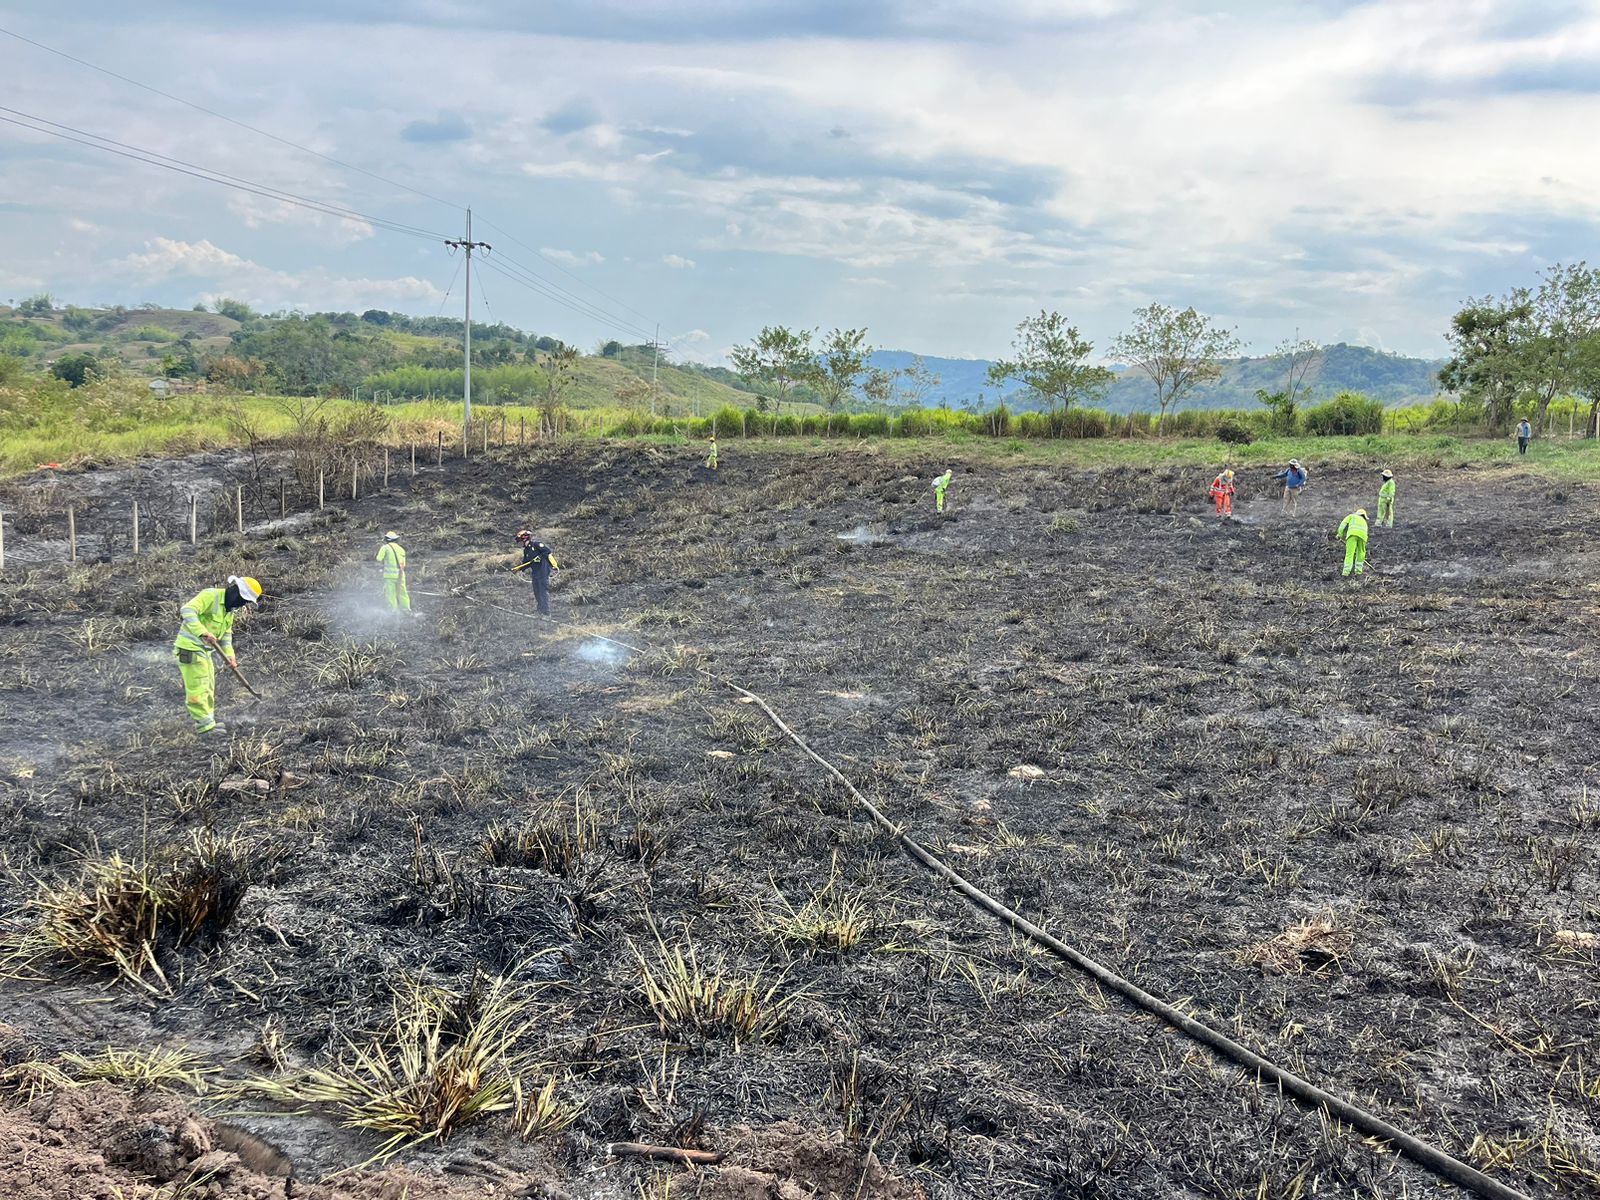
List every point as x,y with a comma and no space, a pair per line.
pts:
536,558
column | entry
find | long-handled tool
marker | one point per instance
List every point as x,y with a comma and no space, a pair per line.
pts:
239,675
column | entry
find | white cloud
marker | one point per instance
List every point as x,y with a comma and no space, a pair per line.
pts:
258,211
85,228
266,287
573,258
677,262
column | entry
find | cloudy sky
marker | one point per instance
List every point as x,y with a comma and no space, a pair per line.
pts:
932,169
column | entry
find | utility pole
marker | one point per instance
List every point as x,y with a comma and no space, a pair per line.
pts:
469,246
655,366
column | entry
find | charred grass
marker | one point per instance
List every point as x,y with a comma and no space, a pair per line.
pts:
485,882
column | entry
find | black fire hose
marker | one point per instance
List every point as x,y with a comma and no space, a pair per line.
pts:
1306,1092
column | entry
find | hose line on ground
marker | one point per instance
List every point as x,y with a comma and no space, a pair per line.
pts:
1303,1090
1307,1093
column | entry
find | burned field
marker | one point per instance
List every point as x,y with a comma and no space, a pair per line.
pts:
547,892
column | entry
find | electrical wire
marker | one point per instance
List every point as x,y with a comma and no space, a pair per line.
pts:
570,274
515,274
591,309
83,62
587,306
94,141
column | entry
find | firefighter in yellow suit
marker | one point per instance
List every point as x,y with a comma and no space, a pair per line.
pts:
206,628
392,556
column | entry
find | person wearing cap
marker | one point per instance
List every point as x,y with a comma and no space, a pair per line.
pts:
1353,529
939,486
538,560
1524,432
206,628
711,456
392,557
1222,491
1386,500
1294,478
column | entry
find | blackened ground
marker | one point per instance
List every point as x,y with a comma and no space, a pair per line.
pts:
1227,739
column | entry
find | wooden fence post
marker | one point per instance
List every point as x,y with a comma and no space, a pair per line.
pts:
238,508
486,425
2,540
355,473
319,489
438,460
194,518
72,534
386,468
283,498
136,527
522,430
413,460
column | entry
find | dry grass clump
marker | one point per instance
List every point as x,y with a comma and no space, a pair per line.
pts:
442,1059
691,1001
833,919
121,915
1315,946
145,1067
353,664
554,841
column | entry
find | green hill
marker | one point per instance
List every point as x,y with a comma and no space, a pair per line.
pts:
1389,378
383,355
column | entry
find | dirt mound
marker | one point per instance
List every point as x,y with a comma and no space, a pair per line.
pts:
100,1143
787,1162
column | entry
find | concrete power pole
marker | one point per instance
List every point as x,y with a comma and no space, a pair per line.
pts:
655,366
469,246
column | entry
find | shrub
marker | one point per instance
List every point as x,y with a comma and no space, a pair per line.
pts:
867,425
77,369
1232,433
1346,415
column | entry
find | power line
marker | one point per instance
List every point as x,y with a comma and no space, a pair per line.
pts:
588,308
154,158
570,274
517,274
83,62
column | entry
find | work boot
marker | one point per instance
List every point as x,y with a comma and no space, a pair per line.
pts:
214,731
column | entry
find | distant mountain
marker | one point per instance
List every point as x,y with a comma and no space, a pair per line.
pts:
1390,378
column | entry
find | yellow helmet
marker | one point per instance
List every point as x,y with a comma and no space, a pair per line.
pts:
1227,474
1361,512
250,589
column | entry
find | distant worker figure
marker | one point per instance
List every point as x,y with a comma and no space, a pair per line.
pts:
392,555
711,458
1294,478
1222,491
1524,432
1353,529
939,486
1386,500
539,560
206,628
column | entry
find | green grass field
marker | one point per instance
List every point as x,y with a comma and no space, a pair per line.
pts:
47,422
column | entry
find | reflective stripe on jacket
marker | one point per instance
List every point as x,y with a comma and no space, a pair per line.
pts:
393,557
206,613
1353,526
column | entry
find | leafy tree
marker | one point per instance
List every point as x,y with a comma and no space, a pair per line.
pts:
1051,361
238,310
1285,418
77,319
558,366
1347,414
838,366
37,306
1586,379
878,386
917,382
11,367
232,372
611,349
77,369
1303,361
1177,350
1489,366
1563,311
780,358
376,316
